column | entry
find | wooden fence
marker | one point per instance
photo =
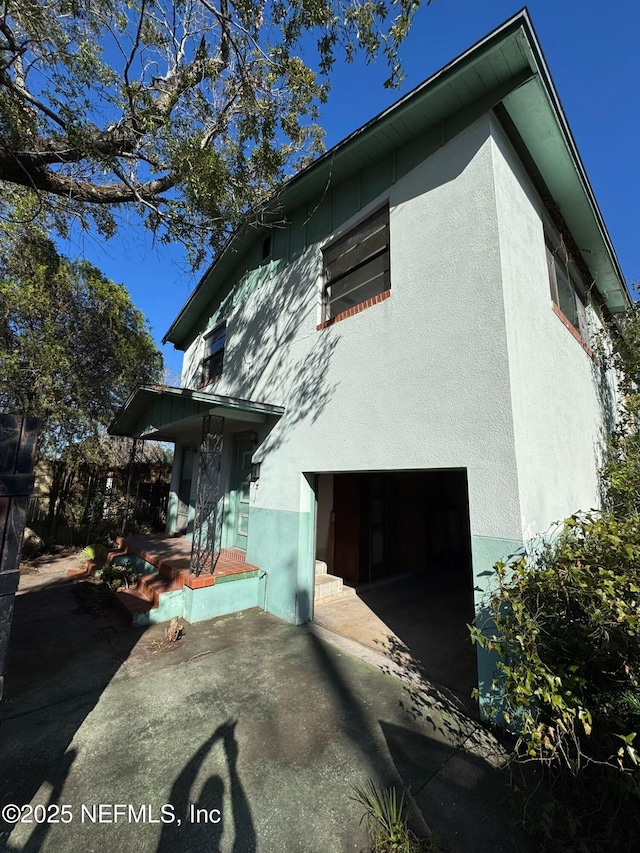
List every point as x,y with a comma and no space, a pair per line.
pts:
17,453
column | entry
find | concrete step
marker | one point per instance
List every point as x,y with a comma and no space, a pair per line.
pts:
330,586
321,568
345,592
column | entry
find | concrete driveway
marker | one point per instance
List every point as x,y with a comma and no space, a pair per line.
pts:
246,735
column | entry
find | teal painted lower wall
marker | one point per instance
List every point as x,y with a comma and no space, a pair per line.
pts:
221,598
485,552
171,604
281,544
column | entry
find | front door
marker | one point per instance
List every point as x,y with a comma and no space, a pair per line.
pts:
239,491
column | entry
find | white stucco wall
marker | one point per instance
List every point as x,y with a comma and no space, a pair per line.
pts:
559,395
464,366
419,381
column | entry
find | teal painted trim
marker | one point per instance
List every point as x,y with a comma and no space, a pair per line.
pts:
319,221
345,200
221,599
486,551
171,604
240,286
279,545
377,179
238,577
172,513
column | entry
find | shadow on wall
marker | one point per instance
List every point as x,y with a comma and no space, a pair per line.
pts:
274,353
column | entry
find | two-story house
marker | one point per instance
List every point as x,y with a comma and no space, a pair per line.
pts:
399,373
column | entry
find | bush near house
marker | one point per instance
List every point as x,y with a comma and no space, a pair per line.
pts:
567,633
567,621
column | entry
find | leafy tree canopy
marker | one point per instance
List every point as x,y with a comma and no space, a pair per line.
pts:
72,344
187,110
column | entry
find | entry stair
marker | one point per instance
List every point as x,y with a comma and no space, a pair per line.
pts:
158,596
329,588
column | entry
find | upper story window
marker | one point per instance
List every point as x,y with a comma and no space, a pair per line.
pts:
356,267
213,357
567,289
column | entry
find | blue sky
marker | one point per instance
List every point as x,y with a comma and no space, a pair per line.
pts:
592,51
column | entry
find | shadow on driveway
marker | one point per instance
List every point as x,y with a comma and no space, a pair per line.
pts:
247,736
58,666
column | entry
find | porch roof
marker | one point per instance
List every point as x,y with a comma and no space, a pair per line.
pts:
164,413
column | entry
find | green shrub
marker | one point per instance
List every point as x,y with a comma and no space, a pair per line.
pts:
387,815
566,629
118,575
621,471
97,552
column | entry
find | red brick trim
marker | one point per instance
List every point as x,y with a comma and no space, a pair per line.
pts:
576,334
355,310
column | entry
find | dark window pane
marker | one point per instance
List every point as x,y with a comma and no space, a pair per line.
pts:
212,367
566,294
213,355
350,296
357,266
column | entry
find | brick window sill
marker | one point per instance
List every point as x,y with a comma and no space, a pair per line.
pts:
576,334
362,306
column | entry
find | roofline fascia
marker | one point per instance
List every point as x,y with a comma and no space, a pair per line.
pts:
554,99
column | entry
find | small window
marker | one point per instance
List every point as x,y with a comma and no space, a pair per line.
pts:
213,355
356,267
267,248
567,290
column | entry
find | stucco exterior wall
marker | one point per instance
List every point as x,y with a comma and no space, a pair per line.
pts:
465,365
419,381
563,401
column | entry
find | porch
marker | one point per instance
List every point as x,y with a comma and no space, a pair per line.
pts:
167,586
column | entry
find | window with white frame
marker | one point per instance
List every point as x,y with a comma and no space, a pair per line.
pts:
567,288
213,357
356,266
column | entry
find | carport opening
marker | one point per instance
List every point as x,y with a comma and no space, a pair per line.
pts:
402,540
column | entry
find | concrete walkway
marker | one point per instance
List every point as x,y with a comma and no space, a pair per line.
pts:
257,728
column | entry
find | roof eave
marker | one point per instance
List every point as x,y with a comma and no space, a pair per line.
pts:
517,27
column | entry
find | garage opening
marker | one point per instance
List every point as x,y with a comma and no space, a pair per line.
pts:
400,543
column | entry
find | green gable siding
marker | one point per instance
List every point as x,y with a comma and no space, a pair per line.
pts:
345,200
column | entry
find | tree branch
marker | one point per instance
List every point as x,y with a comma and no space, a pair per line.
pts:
38,177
